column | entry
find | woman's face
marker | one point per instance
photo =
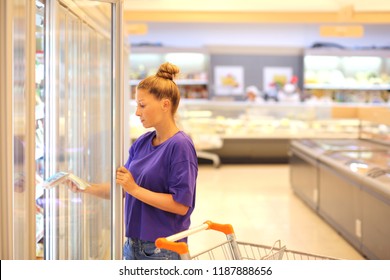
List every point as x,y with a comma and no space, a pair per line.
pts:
149,108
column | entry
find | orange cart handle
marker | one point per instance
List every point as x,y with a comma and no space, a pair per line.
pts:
225,228
178,247
181,247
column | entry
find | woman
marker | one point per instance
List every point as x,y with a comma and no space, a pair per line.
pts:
159,177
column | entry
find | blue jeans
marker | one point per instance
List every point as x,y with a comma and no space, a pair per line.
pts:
136,249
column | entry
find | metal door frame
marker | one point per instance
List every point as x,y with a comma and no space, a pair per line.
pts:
6,146
118,117
7,234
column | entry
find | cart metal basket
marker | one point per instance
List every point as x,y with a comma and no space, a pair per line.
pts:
231,249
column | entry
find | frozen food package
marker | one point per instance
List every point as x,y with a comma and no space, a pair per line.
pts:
80,183
55,180
61,177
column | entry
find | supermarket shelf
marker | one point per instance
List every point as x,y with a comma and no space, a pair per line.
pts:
184,82
367,87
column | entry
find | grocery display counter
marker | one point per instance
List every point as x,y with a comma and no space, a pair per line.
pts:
305,159
256,132
347,182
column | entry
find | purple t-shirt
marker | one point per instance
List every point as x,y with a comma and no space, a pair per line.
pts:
171,167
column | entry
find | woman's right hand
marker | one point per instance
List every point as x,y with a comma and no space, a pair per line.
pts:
73,187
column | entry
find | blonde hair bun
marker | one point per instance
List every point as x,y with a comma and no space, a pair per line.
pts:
167,71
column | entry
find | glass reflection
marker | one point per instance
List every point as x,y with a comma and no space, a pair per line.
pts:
358,167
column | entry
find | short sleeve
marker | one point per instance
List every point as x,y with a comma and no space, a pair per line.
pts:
182,182
183,172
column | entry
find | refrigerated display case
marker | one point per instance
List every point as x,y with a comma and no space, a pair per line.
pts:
245,120
346,182
80,136
376,210
355,198
317,147
305,158
62,110
347,75
379,132
193,63
255,132
340,200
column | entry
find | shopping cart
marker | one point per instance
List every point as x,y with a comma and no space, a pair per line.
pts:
231,249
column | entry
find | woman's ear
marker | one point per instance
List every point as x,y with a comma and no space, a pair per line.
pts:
166,104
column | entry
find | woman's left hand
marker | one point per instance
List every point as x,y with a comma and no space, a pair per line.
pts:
125,179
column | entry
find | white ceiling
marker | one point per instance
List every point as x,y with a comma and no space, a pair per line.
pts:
258,5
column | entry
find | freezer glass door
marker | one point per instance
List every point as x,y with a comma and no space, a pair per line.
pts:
79,129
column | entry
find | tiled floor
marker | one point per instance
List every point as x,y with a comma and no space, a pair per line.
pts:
258,201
